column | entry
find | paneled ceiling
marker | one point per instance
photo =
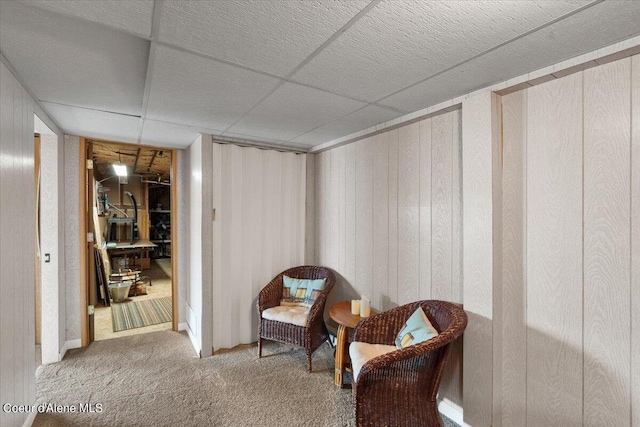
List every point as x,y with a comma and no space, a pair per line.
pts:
294,73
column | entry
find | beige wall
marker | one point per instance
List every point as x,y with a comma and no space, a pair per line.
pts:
72,238
387,215
571,266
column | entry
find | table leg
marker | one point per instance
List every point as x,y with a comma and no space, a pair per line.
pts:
341,342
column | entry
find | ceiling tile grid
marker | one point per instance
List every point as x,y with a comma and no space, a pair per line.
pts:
132,16
74,62
399,43
367,117
196,91
292,110
284,73
164,134
591,29
93,123
272,36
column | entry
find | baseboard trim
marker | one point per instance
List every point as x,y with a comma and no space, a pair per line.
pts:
450,412
69,345
194,341
32,416
182,326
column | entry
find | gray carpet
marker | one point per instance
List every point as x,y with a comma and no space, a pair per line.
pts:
155,380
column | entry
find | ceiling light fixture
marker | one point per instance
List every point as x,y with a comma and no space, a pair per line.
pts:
119,168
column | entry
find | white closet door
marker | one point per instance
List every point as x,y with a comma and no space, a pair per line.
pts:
260,218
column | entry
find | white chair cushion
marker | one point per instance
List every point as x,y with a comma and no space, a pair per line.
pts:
361,352
294,315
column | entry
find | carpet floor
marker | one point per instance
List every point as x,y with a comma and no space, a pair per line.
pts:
156,380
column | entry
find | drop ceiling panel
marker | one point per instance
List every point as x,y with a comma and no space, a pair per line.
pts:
293,110
132,16
196,91
401,42
94,124
596,27
269,36
362,119
74,62
168,134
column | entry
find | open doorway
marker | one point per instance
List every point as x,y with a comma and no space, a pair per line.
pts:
129,265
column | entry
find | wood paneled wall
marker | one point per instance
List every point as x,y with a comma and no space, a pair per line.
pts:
480,150
17,248
570,251
388,220
635,240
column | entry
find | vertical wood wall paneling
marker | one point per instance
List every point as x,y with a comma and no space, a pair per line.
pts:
554,253
310,211
456,237
9,194
514,328
338,217
380,297
27,246
409,213
333,208
327,236
364,216
17,248
393,217
607,216
424,127
373,220
477,146
441,175
635,241
350,219
497,257
320,208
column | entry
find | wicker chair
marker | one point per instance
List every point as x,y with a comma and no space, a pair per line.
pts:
399,388
311,336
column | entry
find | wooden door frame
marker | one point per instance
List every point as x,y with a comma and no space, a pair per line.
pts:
174,238
84,244
84,271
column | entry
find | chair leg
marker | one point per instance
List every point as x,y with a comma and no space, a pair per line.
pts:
259,347
309,360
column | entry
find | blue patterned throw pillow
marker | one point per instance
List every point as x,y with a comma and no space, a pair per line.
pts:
416,329
301,292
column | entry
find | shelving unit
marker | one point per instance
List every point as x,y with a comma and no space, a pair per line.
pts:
160,221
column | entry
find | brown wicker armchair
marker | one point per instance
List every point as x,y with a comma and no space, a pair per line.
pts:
311,336
399,388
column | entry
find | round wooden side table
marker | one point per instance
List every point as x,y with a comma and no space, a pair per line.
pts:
341,314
